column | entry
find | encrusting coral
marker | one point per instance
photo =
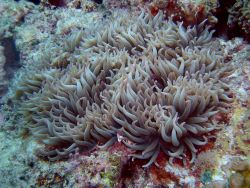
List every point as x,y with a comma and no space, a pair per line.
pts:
155,82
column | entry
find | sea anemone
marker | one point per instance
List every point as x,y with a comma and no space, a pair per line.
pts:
154,81
30,84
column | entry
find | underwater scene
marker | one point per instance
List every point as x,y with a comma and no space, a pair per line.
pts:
125,94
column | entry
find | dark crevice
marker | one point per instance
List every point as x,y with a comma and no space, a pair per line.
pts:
222,29
36,2
57,3
127,172
98,1
12,57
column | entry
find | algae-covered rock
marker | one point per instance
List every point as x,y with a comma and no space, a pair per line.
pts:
239,17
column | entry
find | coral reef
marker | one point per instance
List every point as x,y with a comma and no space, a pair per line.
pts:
85,5
12,15
239,170
188,11
106,168
239,18
158,94
59,48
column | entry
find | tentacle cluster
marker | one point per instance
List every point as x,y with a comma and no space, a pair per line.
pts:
153,81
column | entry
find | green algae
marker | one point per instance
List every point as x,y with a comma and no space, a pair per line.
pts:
206,177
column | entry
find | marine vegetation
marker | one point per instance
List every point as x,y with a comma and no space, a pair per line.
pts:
151,81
